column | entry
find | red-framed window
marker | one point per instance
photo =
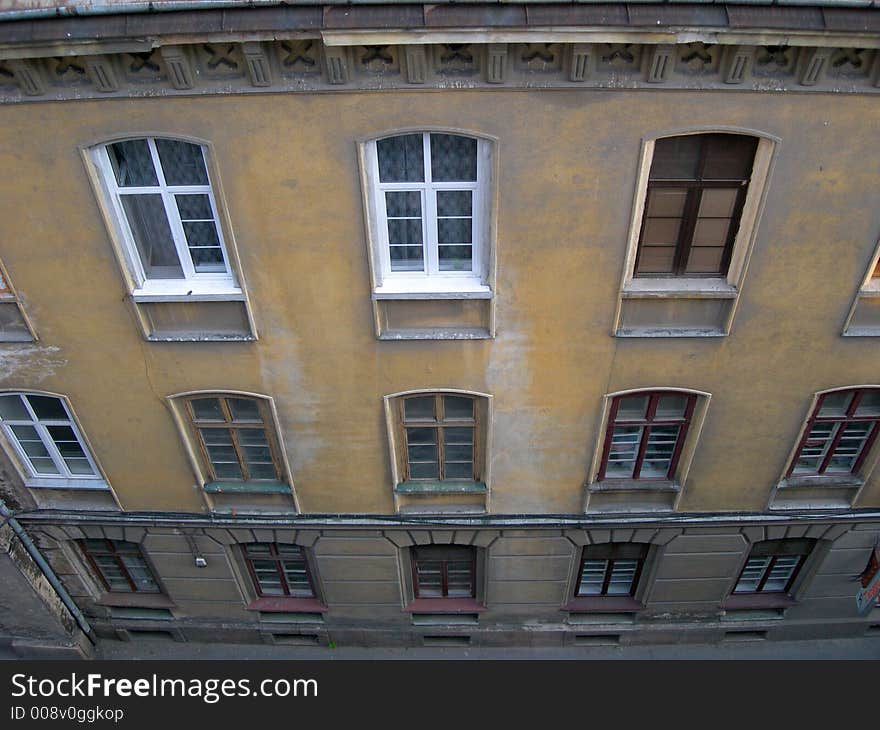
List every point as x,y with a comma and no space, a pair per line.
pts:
839,433
279,570
120,566
696,191
773,566
444,571
611,569
645,434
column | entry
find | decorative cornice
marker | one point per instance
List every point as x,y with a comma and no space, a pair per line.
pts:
308,65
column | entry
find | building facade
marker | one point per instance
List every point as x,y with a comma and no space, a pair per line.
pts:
478,323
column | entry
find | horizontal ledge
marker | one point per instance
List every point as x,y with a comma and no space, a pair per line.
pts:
440,487
247,488
629,485
286,604
444,605
603,604
475,333
201,338
95,485
861,332
820,483
739,601
667,332
385,295
135,600
233,296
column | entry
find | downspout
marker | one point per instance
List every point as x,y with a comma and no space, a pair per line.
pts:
46,569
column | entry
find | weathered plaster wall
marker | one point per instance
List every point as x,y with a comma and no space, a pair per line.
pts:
568,160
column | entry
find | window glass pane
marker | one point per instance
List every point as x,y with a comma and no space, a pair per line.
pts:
424,470
419,409
456,258
453,158
457,407
849,448
244,409
69,447
429,577
132,164
258,549
459,578
671,406
661,231
182,162
729,156
656,260
836,404
459,435
152,236
455,203
459,470
47,408
624,449
112,573
268,578
422,454
403,204
711,232
404,231
407,258
401,159
592,577
814,448
869,405
139,573
204,247
12,409
194,207
781,572
632,407
705,260
207,409
33,447
659,451
676,158
718,202
751,575
623,575
666,202
454,230
421,436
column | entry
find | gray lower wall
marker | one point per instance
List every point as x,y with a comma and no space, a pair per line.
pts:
527,577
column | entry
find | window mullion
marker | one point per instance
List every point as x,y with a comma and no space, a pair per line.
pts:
121,565
279,567
52,449
766,574
239,453
688,226
832,446
444,578
177,233
606,581
432,265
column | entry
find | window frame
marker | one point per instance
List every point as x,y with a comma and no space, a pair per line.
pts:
683,288
864,462
191,443
868,291
65,479
204,286
255,583
646,424
612,548
807,551
387,284
414,566
9,296
398,445
113,552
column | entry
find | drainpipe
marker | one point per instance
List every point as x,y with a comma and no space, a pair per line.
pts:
74,8
46,569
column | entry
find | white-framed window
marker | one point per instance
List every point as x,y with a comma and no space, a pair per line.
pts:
167,218
48,442
429,203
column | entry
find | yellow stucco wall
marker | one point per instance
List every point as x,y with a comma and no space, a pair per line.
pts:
568,160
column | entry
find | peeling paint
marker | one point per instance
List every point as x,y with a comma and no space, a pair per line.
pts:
29,365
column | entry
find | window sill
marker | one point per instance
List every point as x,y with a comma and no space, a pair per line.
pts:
188,292
135,600
432,288
286,604
634,485
247,488
746,601
438,487
62,483
603,604
444,605
685,288
843,481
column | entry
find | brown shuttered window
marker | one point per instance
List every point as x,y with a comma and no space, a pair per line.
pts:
444,571
611,569
442,437
696,191
279,570
773,566
120,566
645,435
839,433
236,437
